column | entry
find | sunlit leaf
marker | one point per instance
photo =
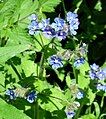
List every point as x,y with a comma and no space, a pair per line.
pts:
48,5
7,111
11,51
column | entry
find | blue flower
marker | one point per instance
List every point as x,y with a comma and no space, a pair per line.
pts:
70,16
101,87
101,75
61,35
11,94
55,62
60,27
31,97
33,27
79,95
73,27
94,67
70,114
49,32
97,73
33,17
92,74
78,62
59,24
73,22
44,23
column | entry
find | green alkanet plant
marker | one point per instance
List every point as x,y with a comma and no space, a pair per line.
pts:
45,71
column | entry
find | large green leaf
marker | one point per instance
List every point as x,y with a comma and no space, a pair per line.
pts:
11,51
48,5
52,99
18,36
27,7
7,111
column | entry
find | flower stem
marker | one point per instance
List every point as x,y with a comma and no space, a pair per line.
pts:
64,7
78,112
37,110
41,66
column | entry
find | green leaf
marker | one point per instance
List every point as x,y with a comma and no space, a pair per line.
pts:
40,42
18,36
97,109
68,80
89,116
98,6
27,7
7,6
42,85
2,81
54,101
84,68
83,82
11,51
7,111
29,67
48,5
90,96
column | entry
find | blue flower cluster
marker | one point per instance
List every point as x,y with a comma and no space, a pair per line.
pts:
97,73
13,95
73,22
55,61
59,28
78,62
101,87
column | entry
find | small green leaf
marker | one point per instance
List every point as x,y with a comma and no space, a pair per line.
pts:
7,111
97,109
90,96
98,6
68,80
89,116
